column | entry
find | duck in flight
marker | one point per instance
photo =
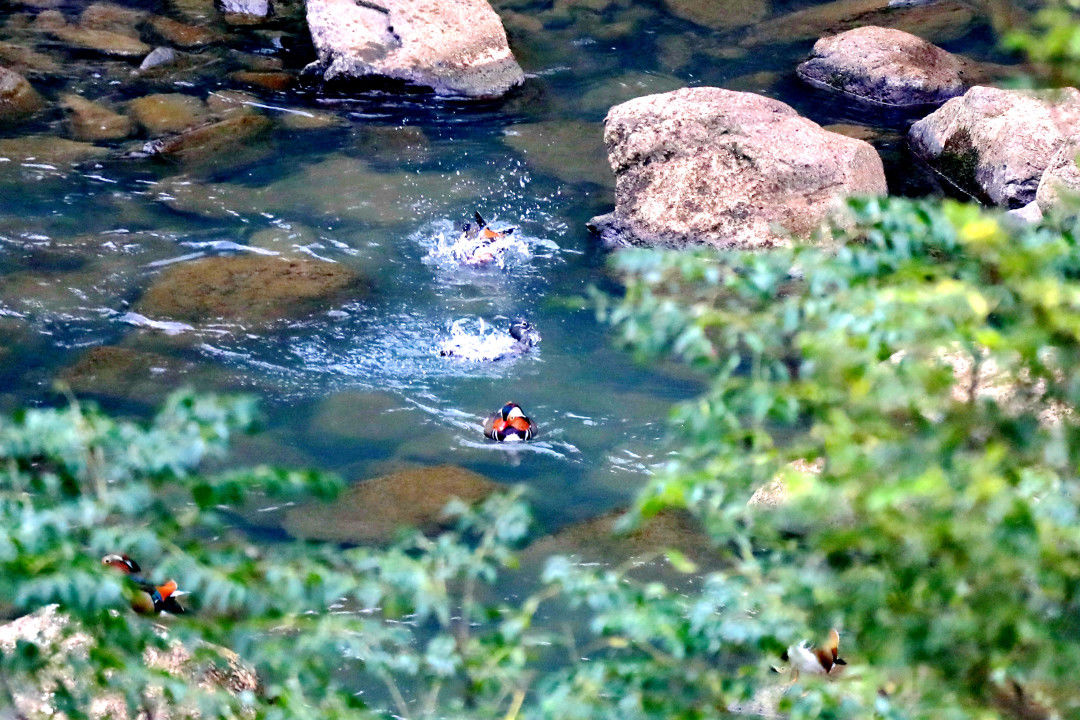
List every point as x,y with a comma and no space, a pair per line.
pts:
146,597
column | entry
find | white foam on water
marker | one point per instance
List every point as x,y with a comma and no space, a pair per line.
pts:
473,340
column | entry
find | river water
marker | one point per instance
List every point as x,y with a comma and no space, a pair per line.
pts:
360,387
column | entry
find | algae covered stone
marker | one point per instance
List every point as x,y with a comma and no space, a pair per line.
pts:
167,112
18,100
251,290
89,120
373,510
996,144
720,14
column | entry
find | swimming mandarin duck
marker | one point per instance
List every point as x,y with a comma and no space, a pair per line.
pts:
146,598
818,660
510,424
479,244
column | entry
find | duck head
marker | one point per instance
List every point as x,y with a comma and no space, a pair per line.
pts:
122,563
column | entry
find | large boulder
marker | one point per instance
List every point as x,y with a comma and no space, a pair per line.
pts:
886,66
252,290
995,144
1061,181
728,169
456,47
57,637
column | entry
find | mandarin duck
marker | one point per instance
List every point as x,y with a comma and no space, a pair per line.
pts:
480,244
146,598
815,660
509,424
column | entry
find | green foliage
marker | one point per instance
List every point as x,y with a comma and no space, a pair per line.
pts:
1053,42
930,363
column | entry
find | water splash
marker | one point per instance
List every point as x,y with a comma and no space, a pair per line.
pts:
449,249
473,340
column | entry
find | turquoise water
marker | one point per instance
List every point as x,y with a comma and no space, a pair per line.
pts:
360,388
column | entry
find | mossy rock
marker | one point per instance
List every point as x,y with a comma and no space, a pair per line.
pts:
89,120
598,540
253,290
218,140
374,510
124,373
167,112
18,99
720,14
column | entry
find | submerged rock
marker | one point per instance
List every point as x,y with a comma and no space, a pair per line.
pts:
725,168
124,373
720,14
105,42
936,21
52,632
456,47
1060,183
181,34
18,99
112,17
995,144
571,150
157,57
273,81
25,61
885,66
167,112
253,290
88,120
208,142
373,510
48,150
597,540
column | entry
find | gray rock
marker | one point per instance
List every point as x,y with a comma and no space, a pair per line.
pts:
157,57
456,47
995,144
1027,215
1060,184
886,66
252,8
727,169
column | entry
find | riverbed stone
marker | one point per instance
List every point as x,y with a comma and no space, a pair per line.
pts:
182,35
26,61
885,66
244,12
167,112
456,47
374,510
252,290
18,99
727,169
995,144
216,140
1060,183
48,150
598,540
112,17
93,121
124,373
720,14
938,21
571,150
105,42
58,636
274,81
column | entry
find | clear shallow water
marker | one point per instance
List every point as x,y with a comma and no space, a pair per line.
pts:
362,386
